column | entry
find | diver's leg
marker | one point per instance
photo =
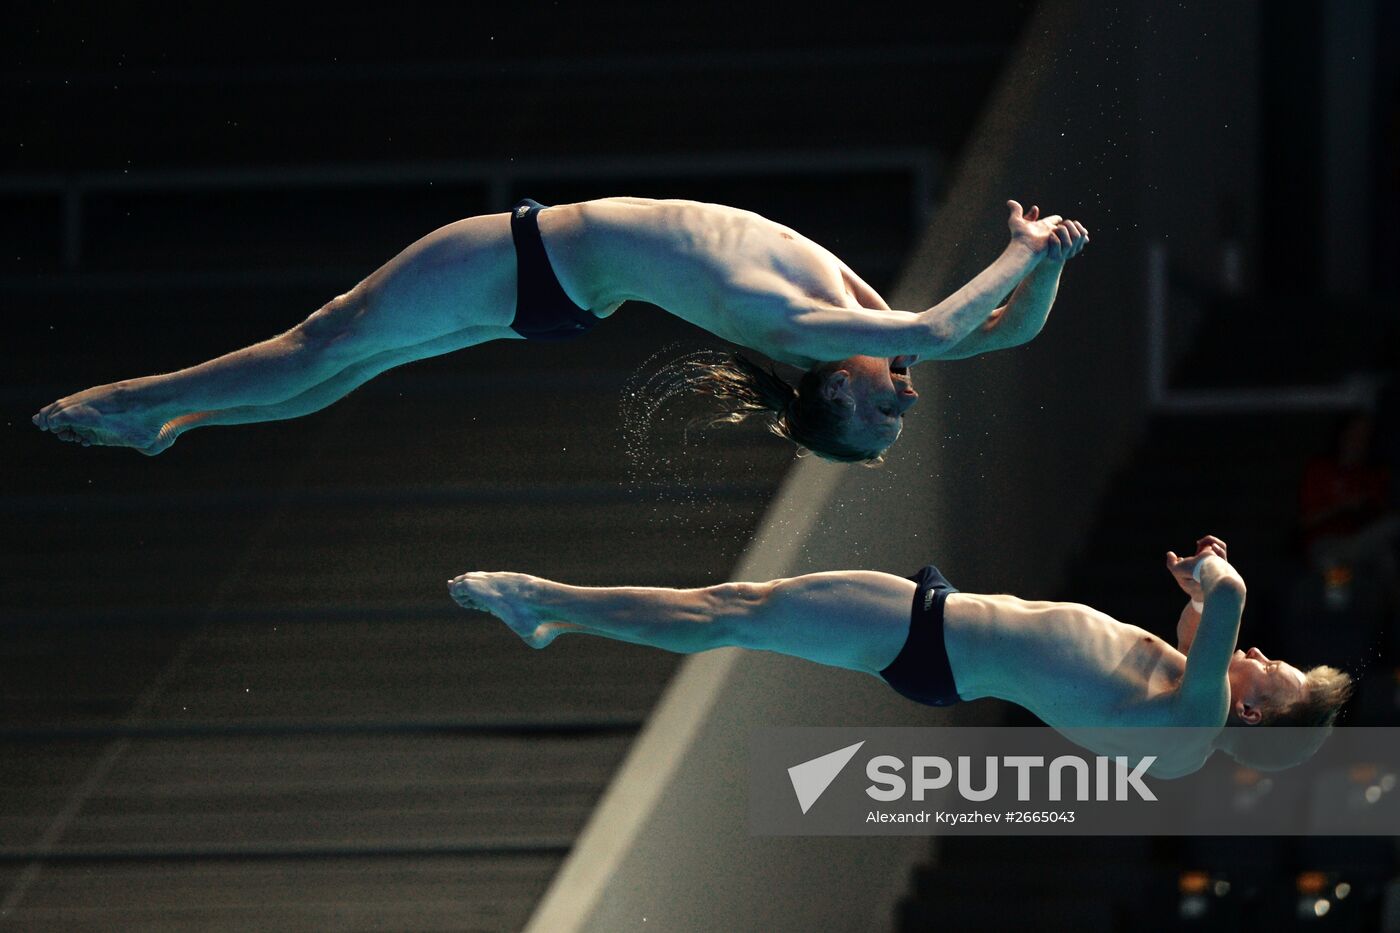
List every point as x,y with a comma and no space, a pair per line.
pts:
458,279
852,619
538,610
324,393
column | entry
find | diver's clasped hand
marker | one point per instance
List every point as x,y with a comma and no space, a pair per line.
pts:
1052,238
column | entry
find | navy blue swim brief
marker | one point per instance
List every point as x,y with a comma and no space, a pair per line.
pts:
921,671
543,311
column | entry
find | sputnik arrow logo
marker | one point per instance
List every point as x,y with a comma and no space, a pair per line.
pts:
811,778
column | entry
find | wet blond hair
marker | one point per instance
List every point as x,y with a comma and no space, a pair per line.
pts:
1309,721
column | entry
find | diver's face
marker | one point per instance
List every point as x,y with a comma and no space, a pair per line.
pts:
1263,684
879,391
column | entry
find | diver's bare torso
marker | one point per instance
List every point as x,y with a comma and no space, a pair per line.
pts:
731,272
1105,684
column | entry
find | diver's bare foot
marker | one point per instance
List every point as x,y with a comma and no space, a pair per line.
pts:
507,597
107,416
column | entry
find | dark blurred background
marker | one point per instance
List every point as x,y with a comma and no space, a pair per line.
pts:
233,693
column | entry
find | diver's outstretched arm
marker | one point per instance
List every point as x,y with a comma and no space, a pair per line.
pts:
1023,317
1190,619
1204,685
953,327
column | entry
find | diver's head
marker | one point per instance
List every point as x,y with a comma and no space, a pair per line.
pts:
850,410
1268,692
866,396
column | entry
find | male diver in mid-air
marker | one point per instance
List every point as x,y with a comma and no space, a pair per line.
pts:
554,272
1105,684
